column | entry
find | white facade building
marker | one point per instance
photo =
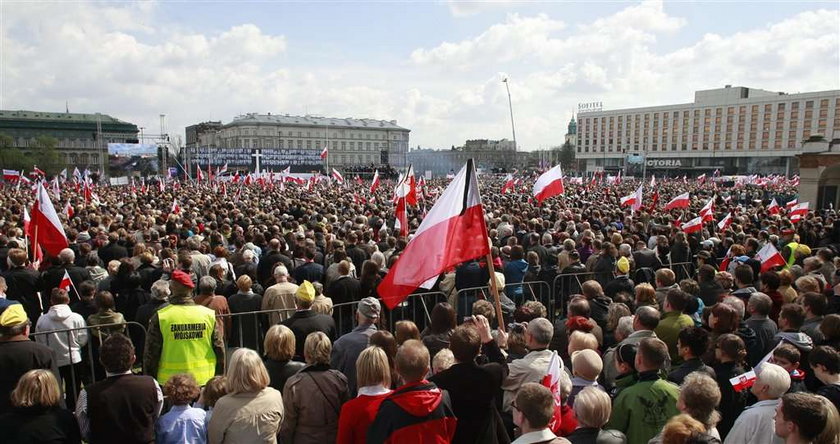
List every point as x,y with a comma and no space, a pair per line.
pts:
351,142
738,130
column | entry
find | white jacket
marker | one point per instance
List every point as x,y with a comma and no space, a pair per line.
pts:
755,425
65,346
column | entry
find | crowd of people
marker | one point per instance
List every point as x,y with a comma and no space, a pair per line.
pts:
257,318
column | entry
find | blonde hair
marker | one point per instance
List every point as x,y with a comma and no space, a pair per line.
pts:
372,368
579,340
317,348
244,283
246,372
592,407
36,388
443,360
279,343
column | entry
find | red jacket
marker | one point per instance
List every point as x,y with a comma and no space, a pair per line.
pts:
356,417
417,412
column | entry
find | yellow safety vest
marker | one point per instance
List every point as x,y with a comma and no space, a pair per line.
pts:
792,258
187,342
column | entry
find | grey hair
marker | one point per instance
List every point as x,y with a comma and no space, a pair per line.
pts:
206,285
776,378
541,330
67,256
160,290
625,250
624,327
736,303
761,303
281,270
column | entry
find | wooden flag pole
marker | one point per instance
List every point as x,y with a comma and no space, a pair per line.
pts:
494,289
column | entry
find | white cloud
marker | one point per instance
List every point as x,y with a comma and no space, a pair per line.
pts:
461,8
127,60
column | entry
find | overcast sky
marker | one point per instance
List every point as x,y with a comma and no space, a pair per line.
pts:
435,67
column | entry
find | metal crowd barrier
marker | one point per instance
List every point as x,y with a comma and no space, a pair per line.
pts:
89,369
531,290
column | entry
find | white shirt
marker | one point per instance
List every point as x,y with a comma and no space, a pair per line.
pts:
755,425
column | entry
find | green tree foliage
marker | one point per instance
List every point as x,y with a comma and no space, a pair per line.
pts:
567,156
11,157
46,155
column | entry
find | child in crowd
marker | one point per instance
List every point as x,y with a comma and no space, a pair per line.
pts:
182,424
215,389
787,357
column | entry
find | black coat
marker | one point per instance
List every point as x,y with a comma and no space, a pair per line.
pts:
24,284
52,278
40,425
357,255
279,372
307,321
475,391
343,289
619,284
112,252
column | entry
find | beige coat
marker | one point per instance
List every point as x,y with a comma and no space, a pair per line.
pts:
247,418
279,296
530,368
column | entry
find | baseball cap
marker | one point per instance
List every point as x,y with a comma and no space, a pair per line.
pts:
13,315
623,265
369,307
306,292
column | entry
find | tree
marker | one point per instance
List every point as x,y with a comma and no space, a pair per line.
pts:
46,156
567,156
11,157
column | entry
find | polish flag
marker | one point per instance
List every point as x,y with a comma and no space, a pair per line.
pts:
68,210
77,174
223,169
37,253
724,264
774,207
176,207
693,226
451,233
633,200
407,187
552,381
401,218
509,184
681,201
707,212
37,171
549,184
235,177
375,184
769,257
743,381
678,223
160,185
725,222
337,176
637,202
791,204
65,283
24,179
800,209
702,179
248,180
45,226
11,175
199,174
653,181
324,153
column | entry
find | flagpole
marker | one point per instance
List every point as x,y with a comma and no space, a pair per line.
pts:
494,286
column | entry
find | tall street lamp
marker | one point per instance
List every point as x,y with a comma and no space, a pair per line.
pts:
505,80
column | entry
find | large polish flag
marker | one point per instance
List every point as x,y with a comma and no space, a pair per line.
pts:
800,209
375,184
769,257
549,184
633,200
510,183
46,229
725,222
774,207
451,233
708,210
693,226
337,176
681,201
637,202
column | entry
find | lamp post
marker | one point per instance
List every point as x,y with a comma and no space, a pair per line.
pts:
505,80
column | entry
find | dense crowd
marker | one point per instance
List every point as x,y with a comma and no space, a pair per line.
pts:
252,314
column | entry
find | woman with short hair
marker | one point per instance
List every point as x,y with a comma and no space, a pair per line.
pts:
313,397
373,376
592,409
36,415
251,411
279,347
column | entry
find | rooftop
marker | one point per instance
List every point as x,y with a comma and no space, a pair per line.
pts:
285,119
57,117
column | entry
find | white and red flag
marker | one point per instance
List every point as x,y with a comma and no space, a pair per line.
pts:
451,233
199,176
743,381
678,223
725,222
634,200
407,187
401,217
800,209
774,207
37,253
652,181
222,170
235,177
68,210
337,176
45,227
549,184
65,281
375,184
681,201
693,226
11,175
324,153
509,185
769,257
708,210
176,207
791,204
701,179
37,171
552,381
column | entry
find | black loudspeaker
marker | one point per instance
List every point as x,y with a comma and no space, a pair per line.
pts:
383,157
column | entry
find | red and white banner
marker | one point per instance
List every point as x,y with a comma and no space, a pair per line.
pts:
681,201
693,226
774,207
337,176
800,209
769,257
743,381
451,233
324,153
375,184
46,229
65,281
552,381
510,183
11,175
791,204
549,184
708,210
725,222
176,207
